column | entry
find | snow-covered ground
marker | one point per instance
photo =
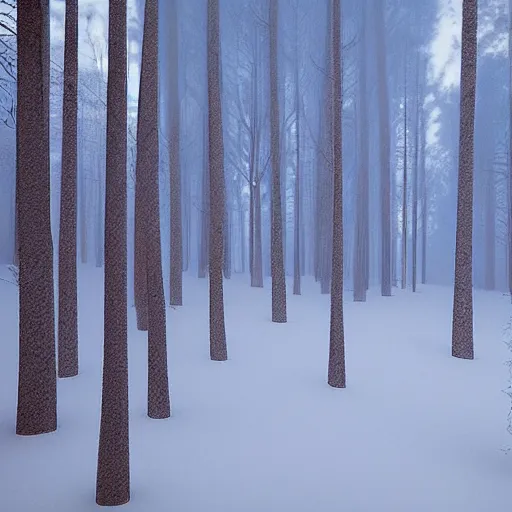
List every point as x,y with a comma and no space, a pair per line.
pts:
415,431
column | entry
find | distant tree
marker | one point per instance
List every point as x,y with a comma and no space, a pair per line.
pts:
336,375
218,348
159,405
404,188
276,251
68,309
113,475
462,327
37,387
176,276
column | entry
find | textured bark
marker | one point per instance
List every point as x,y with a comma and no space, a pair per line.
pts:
362,206
113,474
140,243
462,328
336,374
176,276
218,348
37,388
384,155
276,250
68,311
159,404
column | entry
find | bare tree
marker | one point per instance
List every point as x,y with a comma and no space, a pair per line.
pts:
277,254
68,311
462,329
113,474
218,348
385,181
336,374
37,387
176,271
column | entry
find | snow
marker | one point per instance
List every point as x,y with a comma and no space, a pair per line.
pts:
415,430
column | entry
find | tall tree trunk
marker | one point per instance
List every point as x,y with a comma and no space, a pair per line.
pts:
362,206
204,241
336,375
415,179
385,204
176,271
297,196
68,311
37,387
159,404
113,475
218,348
276,251
462,329
404,189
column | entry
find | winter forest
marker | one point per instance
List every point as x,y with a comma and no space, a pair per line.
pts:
255,255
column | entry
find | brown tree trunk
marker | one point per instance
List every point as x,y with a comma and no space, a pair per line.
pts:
276,250
336,375
218,348
462,329
37,388
68,311
176,271
159,405
113,475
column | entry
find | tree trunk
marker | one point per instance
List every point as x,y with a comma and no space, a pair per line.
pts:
205,209
68,311
362,206
37,388
276,250
218,348
297,197
415,179
424,203
462,329
385,204
490,231
404,190
176,271
336,375
113,475
159,405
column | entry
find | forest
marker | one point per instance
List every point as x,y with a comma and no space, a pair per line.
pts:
255,255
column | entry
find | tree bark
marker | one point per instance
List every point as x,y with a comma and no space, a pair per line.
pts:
37,388
336,374
276,250
462,327
113,474
68,310
176,271
218,348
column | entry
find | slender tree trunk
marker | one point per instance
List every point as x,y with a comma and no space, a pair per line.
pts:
205,210
159,405
218,348
415,180
424,203
37,388
462,329
176,271
113,475
490,232
68,310
297,195
276,251
336,374
404,190
361,244
384,153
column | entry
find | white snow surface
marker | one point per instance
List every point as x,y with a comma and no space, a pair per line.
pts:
414,431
